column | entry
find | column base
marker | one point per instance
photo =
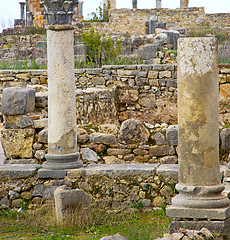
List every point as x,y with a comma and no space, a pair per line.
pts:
221,227
62,162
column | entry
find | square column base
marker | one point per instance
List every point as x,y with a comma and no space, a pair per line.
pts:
215,220
221,227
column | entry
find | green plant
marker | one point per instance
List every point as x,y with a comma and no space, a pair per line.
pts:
10,45
100,15
100,49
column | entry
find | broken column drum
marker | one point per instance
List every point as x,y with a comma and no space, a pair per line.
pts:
62,137
199,181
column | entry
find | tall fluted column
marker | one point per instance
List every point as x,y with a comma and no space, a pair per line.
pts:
62,137
199,181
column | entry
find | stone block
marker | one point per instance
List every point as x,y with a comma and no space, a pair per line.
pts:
159,138
41,99
17,121
157,151
116,151
43,136
107,139
72,204
18,101
44,173
133,131
16,171
89,155
172,135
225,138
17,143
221,227
41,123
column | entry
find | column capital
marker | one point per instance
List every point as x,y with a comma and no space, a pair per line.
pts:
59,12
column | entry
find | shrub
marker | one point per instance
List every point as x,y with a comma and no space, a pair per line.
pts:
100,49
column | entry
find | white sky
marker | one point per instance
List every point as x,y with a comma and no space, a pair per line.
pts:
10,9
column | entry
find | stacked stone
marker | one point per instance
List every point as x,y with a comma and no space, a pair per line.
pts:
18,136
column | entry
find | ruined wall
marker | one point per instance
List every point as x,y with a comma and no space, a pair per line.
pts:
34,6
132,21
144,92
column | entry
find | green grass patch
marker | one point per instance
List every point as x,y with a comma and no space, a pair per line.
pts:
132,223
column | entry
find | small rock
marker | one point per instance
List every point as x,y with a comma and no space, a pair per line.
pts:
13,195
160,139
41,123
158,201
109,129
107,139
172,135
37,200
117,236
43,136
26,195
3,193
89,155
82,135
5,202
112,160
37,146
16,203
225,138
40,154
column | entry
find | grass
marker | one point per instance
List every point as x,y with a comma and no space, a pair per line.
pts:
40,224
19,65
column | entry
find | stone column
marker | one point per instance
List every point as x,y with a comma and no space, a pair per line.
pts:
22,8
62,137
80,9
158,3
134,4
184,3
199,181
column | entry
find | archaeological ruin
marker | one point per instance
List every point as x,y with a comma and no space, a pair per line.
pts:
155,134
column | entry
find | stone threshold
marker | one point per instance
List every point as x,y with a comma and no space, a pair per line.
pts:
15,171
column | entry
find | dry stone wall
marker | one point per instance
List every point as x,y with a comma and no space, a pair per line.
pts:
132,21
144,92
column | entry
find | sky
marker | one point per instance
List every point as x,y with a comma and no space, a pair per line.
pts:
10,9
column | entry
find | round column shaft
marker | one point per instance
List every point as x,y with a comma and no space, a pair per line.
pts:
198,132
62,139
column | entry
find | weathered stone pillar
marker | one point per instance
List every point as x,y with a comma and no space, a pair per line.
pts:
134,4
158,3
184,3
80,9
22,6
199,184
62,137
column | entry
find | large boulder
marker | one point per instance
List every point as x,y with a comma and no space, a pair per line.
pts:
133,131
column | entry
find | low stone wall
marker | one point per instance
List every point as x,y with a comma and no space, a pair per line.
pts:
131,185
144,92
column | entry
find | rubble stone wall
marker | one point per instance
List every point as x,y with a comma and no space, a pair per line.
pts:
144,92
132,21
